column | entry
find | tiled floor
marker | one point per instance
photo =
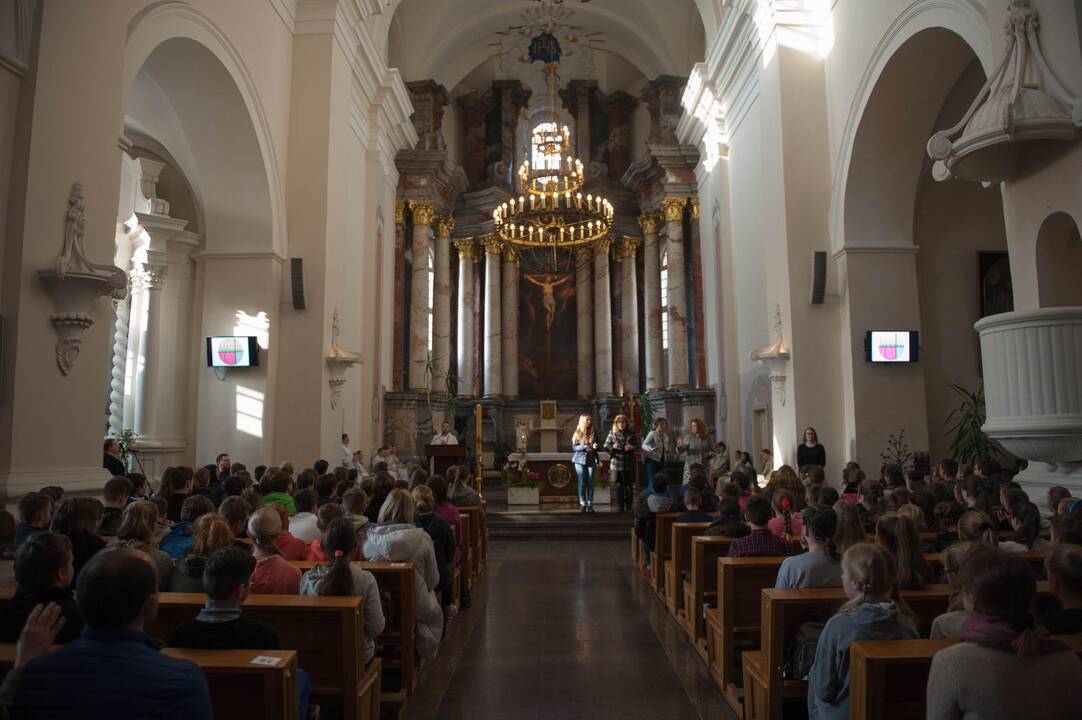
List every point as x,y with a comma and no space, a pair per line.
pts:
565,629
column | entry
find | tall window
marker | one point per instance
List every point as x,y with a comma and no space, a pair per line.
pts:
540,158
665,301
431,296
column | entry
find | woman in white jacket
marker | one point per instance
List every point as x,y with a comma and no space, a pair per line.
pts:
397,539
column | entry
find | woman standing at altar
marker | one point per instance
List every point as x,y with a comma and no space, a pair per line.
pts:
621,444
584,446
696,448
658,450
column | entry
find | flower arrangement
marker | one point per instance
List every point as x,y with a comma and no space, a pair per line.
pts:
518,474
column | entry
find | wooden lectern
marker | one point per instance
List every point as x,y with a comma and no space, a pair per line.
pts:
442,457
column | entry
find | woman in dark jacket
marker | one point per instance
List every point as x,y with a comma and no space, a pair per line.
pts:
443,538
621,444
78,519
810,451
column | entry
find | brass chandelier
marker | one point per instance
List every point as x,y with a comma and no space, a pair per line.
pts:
552,216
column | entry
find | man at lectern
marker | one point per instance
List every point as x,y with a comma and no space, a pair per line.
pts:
444,436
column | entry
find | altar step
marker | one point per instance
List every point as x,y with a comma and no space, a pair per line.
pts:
558,524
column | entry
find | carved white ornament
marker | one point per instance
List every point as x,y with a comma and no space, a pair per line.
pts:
76,283
775,357
338,361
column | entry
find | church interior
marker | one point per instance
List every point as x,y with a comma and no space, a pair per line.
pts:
601,271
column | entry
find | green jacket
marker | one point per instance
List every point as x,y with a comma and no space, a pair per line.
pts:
283,499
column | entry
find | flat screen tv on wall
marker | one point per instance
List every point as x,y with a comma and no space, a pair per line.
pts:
232,351
891,346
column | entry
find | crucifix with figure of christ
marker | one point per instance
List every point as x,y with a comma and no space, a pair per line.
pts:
548,284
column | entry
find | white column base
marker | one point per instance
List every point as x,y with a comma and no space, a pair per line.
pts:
75,481
1039,477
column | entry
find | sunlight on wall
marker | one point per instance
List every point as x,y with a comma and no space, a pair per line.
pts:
701,103
257,325
804,25
250,411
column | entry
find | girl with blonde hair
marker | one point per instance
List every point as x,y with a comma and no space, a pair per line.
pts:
898,534
137,530
210,532
873,611
273,574
621,444
584,445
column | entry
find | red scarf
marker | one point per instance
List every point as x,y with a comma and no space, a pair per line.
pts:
1000,634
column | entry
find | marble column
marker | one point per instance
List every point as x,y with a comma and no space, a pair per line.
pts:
399,299
629,313
651,295
585,323
510,322
493,363
697,300
673,210
441,303
422,220
467,256
602,320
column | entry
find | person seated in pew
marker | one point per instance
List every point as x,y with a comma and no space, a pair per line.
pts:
851,485
398,539
1056,497
1004,667
176,488
291,548
760,541
898,534
1025,519
786,522
453,517
462,491
651,501
693,502
850,529
278,491
872,612
744,479
821,565
949,623
340,577
43,574
114,497
976,526
210,533
304,525
35,514
227,580
729,521
138,531
443,542
326,515
114,670
325,490
236,511
1064,567
870,503
178,542
1068,528
77,518
272,573
354,506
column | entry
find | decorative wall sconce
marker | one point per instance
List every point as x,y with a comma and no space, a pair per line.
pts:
338,361
775,357
76,283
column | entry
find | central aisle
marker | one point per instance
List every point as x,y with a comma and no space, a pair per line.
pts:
564,629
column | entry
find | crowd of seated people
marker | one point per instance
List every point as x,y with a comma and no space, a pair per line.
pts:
87,573
873,540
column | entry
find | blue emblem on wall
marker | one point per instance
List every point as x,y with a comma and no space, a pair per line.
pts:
546,48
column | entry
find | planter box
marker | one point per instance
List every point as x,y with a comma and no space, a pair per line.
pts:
523,496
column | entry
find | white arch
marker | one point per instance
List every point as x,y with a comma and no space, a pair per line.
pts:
965,18
170,20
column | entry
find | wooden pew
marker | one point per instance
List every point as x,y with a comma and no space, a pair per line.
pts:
476,543
634,546
239,690
679,563
662,534
467,551
783,611
395,582
703,585
326,632
907,664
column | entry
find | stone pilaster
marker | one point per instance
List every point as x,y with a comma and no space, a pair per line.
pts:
585,323
662,99
493,358
399,299
467,256
602,320
577,99
513,97
697,317
441,302
475,107
619,106
673,210
651,281
422,221
624,251
510,323
429,98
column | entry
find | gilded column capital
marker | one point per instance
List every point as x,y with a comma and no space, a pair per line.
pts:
467,248
399,212
625,248
444,224
673,208
650,222
422,212
583,254
601,246
493,245
694,202
510,254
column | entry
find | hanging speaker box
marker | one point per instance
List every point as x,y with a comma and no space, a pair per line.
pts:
819,277
296,280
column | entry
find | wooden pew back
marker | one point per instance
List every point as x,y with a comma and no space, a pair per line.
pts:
705,551
679,563
662,551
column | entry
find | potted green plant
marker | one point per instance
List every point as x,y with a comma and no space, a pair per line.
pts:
125,443
969,444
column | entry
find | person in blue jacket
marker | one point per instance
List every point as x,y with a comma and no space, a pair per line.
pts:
584,445
114,670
